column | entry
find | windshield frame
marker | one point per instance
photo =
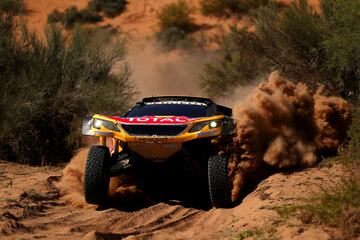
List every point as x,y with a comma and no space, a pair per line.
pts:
209,111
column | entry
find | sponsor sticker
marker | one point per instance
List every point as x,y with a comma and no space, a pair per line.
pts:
152,140
204,134
176,102
174,120
103,133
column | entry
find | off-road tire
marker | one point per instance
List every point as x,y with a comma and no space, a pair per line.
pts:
219,187
96,180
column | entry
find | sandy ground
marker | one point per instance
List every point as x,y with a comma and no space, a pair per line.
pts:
30,209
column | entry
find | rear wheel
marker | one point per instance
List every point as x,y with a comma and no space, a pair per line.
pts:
219,187
96,181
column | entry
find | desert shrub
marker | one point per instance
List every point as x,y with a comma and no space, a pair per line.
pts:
317,49
171,37
49,86
55,16
238,49
111,8
72,15
354,133
341,66
176,15
13,7
229,7
175,23
102,35
218,7
338,207
89,16
255,234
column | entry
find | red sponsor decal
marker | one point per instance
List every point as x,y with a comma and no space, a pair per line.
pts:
174,120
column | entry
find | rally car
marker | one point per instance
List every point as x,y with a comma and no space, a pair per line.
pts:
165,129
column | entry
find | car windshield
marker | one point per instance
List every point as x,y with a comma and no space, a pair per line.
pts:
187,110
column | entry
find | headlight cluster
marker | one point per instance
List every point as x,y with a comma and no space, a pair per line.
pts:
201,125
97,123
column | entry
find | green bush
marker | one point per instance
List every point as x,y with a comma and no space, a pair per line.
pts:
338,207
318,49
13,7
354,133
238,49
49,86
90,14
102,35
55,16
72,16
171,37
175,23
218,7
229,7
176,15
111,8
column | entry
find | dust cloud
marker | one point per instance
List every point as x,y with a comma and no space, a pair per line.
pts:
175,72
237,95
156,72
283,125
71,187
122,189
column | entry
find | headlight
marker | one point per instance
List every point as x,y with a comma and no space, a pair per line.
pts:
109,125
201,125
213,124
86,126
97,123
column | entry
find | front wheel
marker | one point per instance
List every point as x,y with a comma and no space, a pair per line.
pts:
96,180
219,187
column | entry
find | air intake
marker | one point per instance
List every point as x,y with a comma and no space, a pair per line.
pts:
154,130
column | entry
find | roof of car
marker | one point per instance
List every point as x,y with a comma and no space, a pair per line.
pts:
177,98
187,99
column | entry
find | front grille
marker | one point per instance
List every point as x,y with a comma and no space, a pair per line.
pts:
151,130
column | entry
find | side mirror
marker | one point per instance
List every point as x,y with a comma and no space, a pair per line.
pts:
224,110
86,126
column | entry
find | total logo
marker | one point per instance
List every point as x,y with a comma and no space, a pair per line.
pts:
153,120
